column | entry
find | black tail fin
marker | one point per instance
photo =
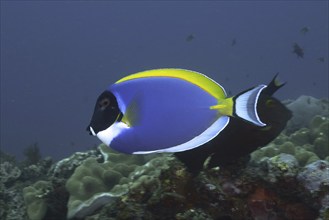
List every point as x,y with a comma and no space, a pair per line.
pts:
273,86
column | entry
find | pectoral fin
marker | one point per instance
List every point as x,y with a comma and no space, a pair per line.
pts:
131,116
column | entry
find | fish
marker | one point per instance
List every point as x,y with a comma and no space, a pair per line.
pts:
320,59
233,42
240,138
304,30
189,38
168,111
298,51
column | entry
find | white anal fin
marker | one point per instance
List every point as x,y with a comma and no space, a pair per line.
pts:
197,141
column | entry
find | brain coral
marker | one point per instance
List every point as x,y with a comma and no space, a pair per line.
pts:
94,184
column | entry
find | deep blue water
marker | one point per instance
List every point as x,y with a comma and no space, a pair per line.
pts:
57,57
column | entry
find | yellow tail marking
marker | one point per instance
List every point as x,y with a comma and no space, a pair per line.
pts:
218,107
224,106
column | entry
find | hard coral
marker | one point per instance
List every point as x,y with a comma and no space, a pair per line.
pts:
307,144
9,172
94,184
88,189
35,199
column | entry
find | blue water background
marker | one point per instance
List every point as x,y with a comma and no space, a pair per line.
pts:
58,56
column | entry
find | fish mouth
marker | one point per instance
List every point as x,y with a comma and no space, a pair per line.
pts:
92,132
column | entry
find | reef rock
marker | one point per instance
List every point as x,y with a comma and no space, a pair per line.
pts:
9,173
304,109
282,166
315,176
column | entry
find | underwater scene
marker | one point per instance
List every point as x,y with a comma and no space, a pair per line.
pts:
142,110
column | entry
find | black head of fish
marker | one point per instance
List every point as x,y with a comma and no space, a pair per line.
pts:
106,112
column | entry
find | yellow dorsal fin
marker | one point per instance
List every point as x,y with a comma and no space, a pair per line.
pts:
196,78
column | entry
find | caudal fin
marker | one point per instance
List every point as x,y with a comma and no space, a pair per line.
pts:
245,105
273,86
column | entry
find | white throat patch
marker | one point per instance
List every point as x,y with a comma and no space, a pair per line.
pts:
107,135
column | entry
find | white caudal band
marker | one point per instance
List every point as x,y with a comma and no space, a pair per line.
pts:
246,105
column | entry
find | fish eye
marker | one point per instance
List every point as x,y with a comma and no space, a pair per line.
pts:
104,103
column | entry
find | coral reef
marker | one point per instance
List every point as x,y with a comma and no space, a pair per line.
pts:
65,167
315,177
304,109
12,203
94,184
214,194
32,154
307,144
324,211
90,187
282,166
14,177
9,173
35,199
287,179
7,157
34,171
